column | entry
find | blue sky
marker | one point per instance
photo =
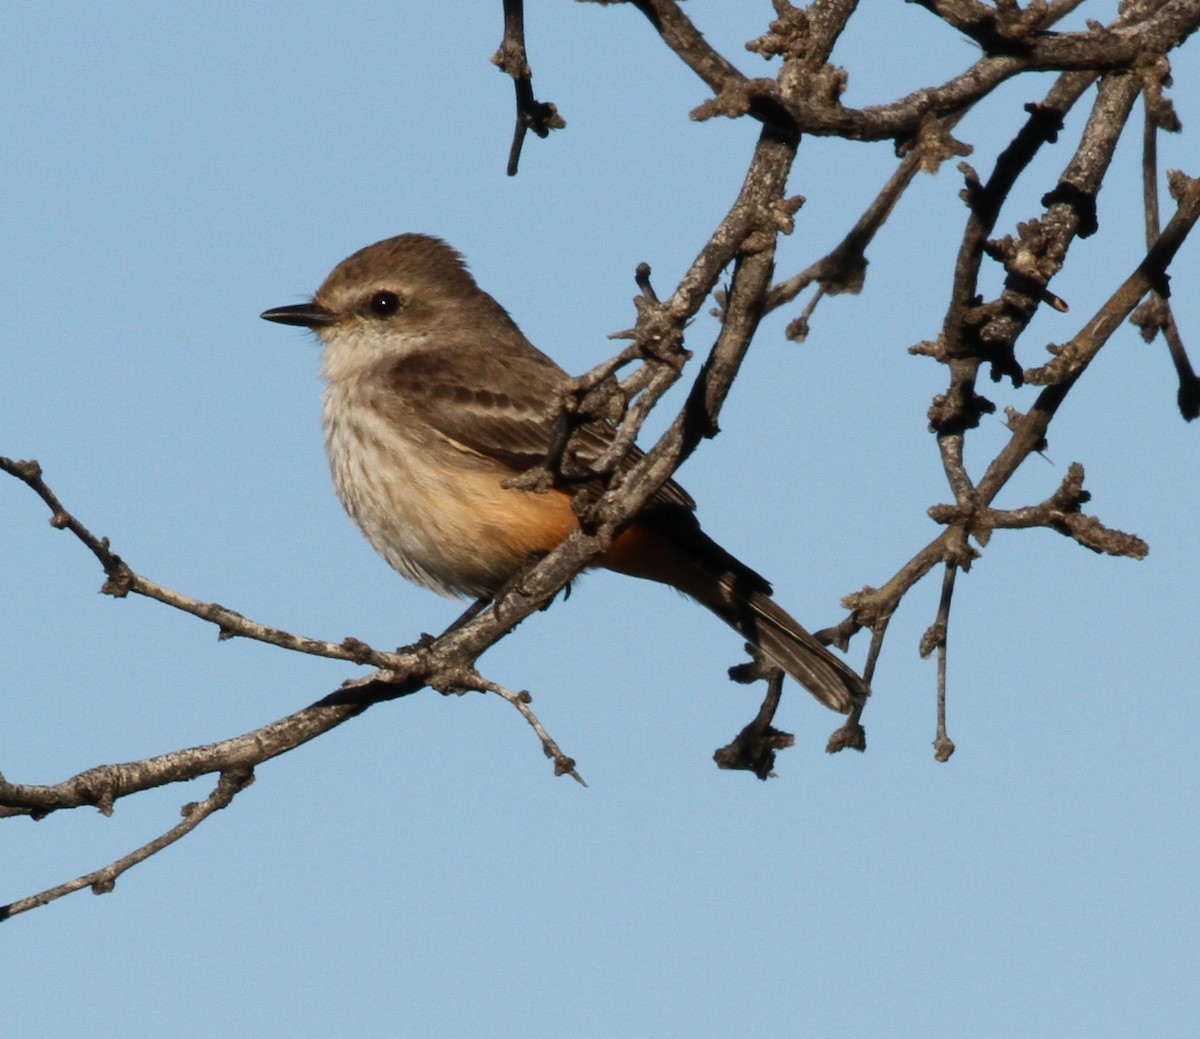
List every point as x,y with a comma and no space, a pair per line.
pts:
173,170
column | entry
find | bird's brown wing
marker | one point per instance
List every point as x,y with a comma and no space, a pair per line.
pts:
453,393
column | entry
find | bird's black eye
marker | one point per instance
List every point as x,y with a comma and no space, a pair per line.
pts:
384,304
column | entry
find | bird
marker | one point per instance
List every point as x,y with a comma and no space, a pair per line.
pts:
434,401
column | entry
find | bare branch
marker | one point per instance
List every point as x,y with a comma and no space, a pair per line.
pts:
754,748
678,33
1155,315
943,745
563,765
1071,359
871,604
843,268
539,116
123,581
1001,29
102,881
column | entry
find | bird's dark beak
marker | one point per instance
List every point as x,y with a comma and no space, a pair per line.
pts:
307,315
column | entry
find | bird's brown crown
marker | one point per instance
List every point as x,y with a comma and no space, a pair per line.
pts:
418,268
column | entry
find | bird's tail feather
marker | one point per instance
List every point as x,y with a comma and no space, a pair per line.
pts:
762,621
684,557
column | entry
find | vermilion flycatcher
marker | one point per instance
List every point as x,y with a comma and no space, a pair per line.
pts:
435,399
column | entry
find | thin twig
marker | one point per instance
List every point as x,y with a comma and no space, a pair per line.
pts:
539,116
842,268
563,765
123,581
943,745
103,880
1159,315
755,747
